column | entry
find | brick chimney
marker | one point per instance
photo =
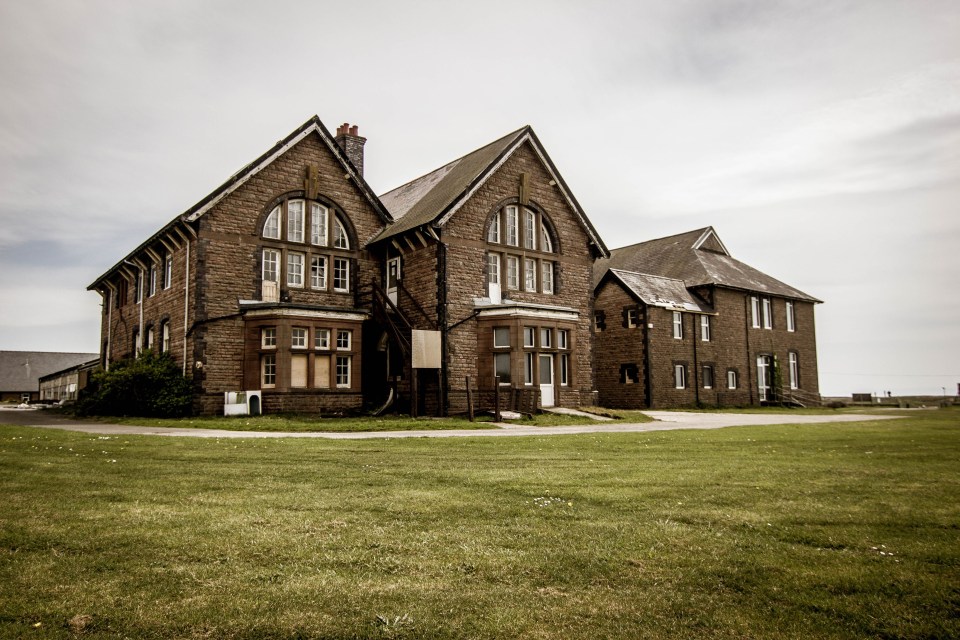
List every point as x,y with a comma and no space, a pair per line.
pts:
352,144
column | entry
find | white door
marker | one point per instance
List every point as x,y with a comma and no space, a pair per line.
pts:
764,376
393,278
546,380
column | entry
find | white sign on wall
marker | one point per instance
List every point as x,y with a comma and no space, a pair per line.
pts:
426,349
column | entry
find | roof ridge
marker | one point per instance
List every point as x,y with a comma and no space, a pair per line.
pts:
672,235
649,275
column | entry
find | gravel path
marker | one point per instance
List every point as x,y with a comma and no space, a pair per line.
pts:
664,421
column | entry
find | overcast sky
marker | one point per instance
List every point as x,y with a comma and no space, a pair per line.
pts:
820,139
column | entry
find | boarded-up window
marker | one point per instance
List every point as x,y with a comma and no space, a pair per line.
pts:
321,372
298,371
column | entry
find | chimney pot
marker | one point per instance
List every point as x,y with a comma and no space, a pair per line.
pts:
354,130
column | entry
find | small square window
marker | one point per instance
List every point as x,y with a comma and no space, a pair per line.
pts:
633,318
321,339
298,338
268,337
344,338
343,371
529,337
501,337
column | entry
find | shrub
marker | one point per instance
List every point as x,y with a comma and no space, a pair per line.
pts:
151,385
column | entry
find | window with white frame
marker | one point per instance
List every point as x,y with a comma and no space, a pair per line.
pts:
546,279
678,325
791,320
150,338
529,275
529,229
137,347
755,311
767,313
298,338
295,221
341,274
318,272
501,337
501,367
164,337
153,279
294,269
546,338
707,376
343,371
563,338
344,338
546,243
271,265
529,337
493,268
705,328
632,317
268,337
340,238
321,339
528,368
512,222
680,376
731,379
794,363
271,228
564,370
318,224
493,231
167,271
268,371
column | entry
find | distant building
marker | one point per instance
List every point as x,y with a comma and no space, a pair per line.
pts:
20,371
679,322
64,385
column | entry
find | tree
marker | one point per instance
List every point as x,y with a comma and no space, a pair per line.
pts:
150,385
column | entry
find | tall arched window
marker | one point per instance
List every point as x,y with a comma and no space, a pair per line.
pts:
520,243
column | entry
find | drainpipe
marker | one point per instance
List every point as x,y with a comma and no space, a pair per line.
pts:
647,387
186,304
747,310
696,363
106,360
442,321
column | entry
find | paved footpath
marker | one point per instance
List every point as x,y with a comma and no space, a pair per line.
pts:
664,421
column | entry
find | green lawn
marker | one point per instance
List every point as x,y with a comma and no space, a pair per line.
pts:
303,423
827,531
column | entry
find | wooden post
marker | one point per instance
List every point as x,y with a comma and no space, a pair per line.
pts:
496,398
414,392
469,400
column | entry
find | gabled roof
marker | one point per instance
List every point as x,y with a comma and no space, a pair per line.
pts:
21,370
658,291
698,258
313,125
433,198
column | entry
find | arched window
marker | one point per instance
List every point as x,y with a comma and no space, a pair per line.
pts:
340,238
271,228
520,240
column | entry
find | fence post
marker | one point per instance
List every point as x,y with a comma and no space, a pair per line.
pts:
469,400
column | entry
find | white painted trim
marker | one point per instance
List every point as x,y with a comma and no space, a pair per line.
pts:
301,313
527,312
706,236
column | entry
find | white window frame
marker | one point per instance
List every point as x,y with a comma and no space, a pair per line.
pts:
318,272
153,279
546,338
563,338
794,367
529,274
321,339
298,337
546,276
755,309
341,275
493,233
529,229
295,269
529,337
564,369
712,376
340,238
767,313
167,270
677,325
501,332
503,356
344,339
268,370
164,337
271,226
546,242
705,328
680,376
512,222
268,337
319,215
271,258
343,372
528,359
513,272
493,268
732,381
150,334
633,318
296,212
791,319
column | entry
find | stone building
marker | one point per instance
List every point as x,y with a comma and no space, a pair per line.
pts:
679,322
295,279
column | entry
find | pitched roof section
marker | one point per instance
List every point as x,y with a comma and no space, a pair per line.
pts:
21,370
313,125
434,197
698,258
658,291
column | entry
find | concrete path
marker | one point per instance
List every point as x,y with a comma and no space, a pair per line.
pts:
665,421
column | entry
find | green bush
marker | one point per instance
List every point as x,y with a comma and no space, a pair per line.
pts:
151,385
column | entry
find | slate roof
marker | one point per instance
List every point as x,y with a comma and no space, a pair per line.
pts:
243,175
658,291
21,370
698,258
434,197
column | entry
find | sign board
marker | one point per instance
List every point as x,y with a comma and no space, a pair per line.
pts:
426,349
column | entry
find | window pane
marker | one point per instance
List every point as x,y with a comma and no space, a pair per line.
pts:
268,337
321,339
513,272
271,228
501,367
563,337
318,224
295,269
529,230
677,325
564,370
295,221
530,274
547,269
271,259
340,238
493,268
341,274
318,273
546,244
268,368
343,339
343,371
546,338
298,338
546,369
493,234
529,336
528,368
512,216
501,337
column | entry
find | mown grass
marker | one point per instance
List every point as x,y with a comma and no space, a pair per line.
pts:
296,423
828,531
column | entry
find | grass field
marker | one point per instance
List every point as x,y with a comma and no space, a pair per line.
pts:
827,531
